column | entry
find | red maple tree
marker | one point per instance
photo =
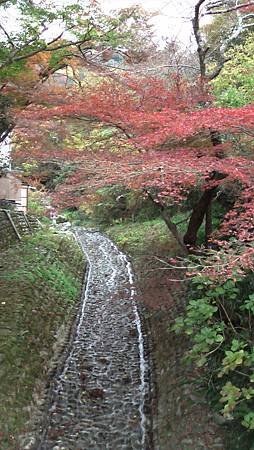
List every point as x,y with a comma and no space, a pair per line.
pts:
174,148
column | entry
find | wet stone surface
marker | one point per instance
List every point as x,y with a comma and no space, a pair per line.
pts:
98,397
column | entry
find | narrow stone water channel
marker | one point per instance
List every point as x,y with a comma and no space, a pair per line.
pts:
98,399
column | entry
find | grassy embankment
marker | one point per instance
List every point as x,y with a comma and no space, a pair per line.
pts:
40,286
184,419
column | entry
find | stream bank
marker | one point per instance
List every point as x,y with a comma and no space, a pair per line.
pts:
40,282
183,419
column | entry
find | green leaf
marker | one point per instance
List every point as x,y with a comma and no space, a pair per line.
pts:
248,421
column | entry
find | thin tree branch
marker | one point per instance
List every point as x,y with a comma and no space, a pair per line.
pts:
224,11
181,66
171,226
7,35
39,50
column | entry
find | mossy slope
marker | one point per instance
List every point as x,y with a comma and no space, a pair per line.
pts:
40,282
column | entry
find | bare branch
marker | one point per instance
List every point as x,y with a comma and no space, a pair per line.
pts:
152,69
248,16
218,69
203,49
244,130
7,35
224,11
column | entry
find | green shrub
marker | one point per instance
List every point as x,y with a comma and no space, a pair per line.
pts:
219,320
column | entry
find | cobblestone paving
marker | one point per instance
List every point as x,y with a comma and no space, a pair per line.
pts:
98,399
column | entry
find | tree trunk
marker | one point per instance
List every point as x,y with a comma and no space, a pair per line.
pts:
215,137
208,224
6,124
197,217
171,226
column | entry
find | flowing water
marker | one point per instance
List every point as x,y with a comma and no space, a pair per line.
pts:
98,399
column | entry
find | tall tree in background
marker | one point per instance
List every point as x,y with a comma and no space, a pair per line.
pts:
211,62
239,17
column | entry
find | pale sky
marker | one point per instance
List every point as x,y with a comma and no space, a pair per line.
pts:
174,19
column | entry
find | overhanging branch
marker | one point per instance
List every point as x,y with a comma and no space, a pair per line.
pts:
227,10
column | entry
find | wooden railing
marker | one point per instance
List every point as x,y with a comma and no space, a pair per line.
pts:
14,225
